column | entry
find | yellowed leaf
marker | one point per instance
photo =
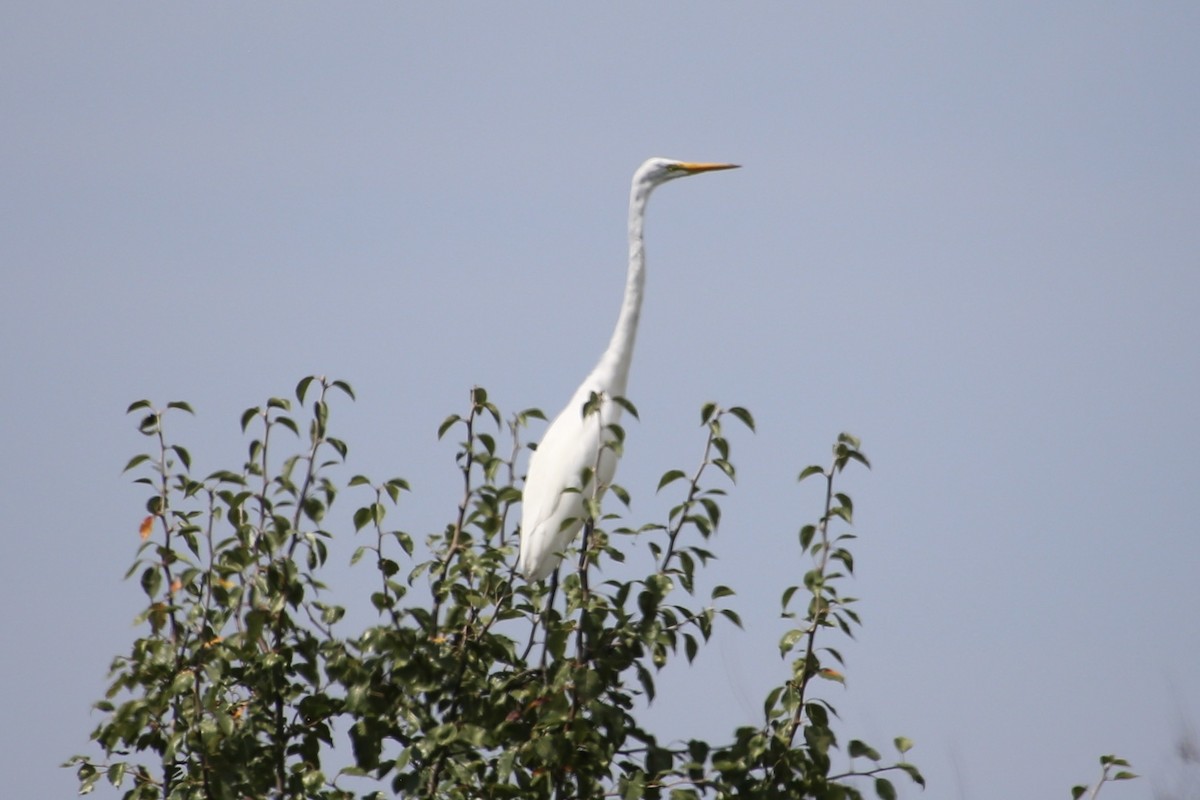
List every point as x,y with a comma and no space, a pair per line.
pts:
832,675
147,528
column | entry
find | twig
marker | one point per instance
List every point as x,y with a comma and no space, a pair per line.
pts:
820,606
468,464
693,487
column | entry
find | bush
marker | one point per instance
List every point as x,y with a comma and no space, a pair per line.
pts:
241,683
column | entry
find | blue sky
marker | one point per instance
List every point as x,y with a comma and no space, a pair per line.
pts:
966,234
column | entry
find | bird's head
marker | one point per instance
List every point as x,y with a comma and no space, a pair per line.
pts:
657,171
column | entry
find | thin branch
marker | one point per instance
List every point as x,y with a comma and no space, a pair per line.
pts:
870,773
317,438
514,427
464,503
689,501
820,607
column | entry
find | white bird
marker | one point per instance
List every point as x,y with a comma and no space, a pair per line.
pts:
550,515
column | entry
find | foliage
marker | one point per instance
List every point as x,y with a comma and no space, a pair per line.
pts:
1107,765
241,682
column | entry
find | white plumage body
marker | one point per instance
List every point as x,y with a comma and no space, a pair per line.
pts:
551,515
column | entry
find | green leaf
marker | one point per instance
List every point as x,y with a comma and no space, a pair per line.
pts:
628,406
744,416
138,406
345,387
133,462
116,773
706,412
786,599
860,749
771,701
1124,775
912,773
183,682
713,510
884,788
720,444
668,477
151,581
854,455
314,509
809,471
248,415
591,405
363,517
806,536
397,485
646,680
726,467
721,591
1078,791
302,388
817,714
184,456
447,423
339,446
903,743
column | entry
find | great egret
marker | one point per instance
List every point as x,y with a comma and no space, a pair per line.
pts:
550,515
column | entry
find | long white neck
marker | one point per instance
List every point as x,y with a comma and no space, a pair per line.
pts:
613,370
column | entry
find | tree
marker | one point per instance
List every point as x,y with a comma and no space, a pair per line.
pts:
241,683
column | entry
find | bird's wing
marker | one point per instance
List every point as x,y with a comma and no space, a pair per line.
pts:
550,516
567,447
